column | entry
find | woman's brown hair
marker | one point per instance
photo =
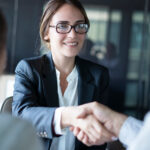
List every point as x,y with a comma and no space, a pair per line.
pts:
51,8
3,31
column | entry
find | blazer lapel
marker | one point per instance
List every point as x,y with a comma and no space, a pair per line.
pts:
85,83
49,81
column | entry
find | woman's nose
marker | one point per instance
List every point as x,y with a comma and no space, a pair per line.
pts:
72,33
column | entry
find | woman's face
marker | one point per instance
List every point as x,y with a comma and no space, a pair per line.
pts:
68,44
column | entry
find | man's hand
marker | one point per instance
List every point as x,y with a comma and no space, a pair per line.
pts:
91,132
111,120
93,123
87,129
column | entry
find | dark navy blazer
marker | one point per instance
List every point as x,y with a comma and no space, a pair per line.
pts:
35,92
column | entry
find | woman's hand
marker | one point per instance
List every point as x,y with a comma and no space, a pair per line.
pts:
85,124
70,115
88,125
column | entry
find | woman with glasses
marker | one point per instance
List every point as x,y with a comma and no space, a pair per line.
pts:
48,88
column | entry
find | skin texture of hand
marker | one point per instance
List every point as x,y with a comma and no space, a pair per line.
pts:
111,120
88,127
70,115
91,132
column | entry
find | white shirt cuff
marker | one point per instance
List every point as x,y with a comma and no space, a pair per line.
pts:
142,141
129,130
57,121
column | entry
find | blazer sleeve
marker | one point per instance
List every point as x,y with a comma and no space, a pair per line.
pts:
25,101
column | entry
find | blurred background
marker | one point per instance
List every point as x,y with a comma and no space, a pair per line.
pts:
119,38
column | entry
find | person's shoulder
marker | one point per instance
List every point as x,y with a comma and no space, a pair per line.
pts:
8,120
32,60
32,63
31,67
91,65
23,133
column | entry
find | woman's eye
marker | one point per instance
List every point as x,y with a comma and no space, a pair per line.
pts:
81,26
63,26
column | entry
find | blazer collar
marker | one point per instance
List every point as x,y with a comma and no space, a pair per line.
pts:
86,84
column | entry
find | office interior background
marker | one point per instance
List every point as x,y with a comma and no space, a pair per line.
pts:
119,38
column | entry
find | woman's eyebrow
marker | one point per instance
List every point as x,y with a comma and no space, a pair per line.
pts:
64,22
67,22
80,21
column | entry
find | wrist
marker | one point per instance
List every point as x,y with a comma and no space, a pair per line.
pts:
57,121
119,119
66,119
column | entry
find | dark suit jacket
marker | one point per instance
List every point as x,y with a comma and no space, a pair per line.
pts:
35,93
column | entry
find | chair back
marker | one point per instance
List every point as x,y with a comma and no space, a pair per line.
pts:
7,105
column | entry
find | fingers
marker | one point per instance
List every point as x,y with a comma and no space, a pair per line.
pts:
81,136
86,126
109,118
98,135
103,136
71,128
76,131
91,132
102,132
85,140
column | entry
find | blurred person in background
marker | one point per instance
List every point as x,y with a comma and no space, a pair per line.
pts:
15,134
3,30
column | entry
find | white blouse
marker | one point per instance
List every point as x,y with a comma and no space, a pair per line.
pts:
70,98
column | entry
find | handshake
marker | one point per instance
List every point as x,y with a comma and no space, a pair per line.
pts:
93,123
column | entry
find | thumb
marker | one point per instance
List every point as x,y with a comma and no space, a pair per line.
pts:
83,112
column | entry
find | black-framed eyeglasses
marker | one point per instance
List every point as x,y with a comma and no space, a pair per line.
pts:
66,28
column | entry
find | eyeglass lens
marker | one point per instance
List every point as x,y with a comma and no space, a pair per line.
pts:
66,28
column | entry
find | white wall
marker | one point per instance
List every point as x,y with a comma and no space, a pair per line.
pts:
6,87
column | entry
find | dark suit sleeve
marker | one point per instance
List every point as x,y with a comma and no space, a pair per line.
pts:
25,101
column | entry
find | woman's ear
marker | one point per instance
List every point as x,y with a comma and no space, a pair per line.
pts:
46,38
